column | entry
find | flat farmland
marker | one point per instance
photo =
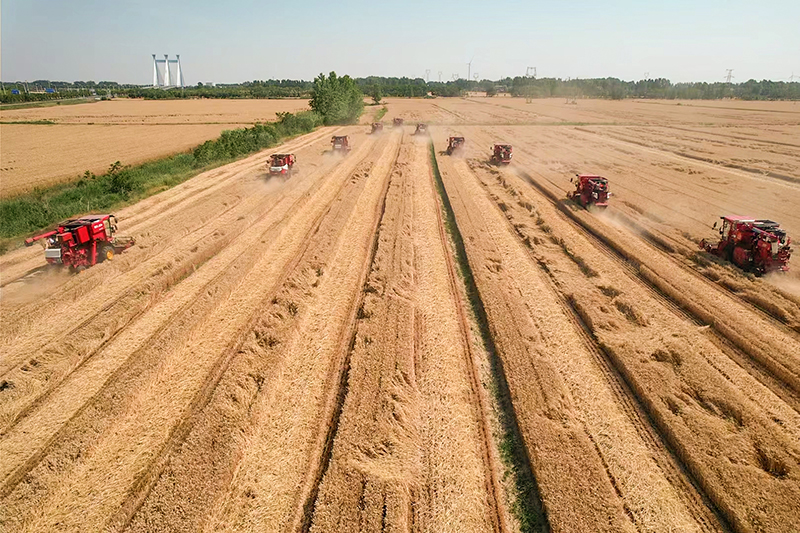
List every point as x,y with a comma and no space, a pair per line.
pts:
402,340
92,136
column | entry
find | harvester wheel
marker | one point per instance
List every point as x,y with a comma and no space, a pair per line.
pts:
79,269
106,254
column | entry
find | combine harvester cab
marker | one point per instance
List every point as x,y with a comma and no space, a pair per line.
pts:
377,127
281,164
454,144
341,143
754,245
79,243
501,154
397,122
590,191
422,129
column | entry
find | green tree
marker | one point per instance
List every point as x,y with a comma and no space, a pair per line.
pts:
337,99
376,94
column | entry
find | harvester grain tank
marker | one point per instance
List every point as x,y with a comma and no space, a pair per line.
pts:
501,154
83,242
754,245
422,129
281,164
341,143
377,127
590,191
454,144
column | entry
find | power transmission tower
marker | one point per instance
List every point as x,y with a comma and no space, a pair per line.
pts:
792,77
729,75
427,74
528,72
455,77
440,76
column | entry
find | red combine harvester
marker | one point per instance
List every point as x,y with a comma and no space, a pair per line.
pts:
377,127
757,246
341,143
422,129
281,164
501,154
454,144
397,122
83,242
590,191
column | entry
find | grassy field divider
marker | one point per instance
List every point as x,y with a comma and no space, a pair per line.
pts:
526,503
123,185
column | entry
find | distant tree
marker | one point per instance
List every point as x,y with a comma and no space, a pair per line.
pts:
337,99
376,94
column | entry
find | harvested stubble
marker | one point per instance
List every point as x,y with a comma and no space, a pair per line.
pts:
408,446
741,458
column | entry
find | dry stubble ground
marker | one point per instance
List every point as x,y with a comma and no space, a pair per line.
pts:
289,355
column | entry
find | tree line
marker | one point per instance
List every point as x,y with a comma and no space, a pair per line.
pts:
379,86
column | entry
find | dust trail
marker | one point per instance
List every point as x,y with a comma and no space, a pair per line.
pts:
788,283
32,287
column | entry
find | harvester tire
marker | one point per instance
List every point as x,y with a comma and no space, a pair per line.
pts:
79,269
106,254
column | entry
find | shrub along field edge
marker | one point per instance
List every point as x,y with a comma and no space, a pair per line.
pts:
34,211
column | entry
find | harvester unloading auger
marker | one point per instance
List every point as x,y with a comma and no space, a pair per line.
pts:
83,242
754,245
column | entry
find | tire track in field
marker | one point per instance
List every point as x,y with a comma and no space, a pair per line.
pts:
334,404
202,467
285,441
285,236
188,255
676,473
660,240
782,380
756,430
411,406
490,457
53,377
151,210
530,340
175,313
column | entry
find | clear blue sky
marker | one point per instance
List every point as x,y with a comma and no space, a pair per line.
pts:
229,41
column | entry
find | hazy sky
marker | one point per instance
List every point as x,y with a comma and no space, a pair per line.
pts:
229,41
